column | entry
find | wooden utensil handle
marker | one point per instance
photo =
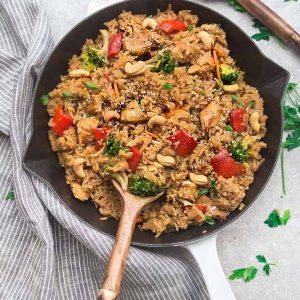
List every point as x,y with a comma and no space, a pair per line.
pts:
116,265
271,20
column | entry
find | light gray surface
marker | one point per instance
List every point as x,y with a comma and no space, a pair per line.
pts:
240,242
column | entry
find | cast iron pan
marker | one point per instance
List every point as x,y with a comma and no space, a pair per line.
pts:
267,76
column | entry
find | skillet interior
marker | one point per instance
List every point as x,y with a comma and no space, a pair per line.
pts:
268,77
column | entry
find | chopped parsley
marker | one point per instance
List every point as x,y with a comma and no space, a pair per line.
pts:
209,220
236,6
264,33
203,192
274,218
45,99
266,268
228,128
10,196
235,99
143,187
213,188
252,103
168,86
190,28
91,85
247,274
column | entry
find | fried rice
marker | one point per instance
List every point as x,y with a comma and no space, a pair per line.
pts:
174,128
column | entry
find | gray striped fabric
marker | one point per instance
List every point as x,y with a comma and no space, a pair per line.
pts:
45,251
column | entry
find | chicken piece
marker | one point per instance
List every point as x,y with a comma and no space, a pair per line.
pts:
79,192
210,115
188,191
138,44
85,128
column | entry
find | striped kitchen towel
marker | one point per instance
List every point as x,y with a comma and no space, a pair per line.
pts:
45,251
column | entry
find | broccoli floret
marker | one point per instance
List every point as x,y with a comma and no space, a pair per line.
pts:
228,74
166,63
143,187
94,57
239,151
112,146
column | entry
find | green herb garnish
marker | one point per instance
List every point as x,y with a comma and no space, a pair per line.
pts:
69,95
190,28
10,196
235,99
228,128
236,6
252,103
45,99
203,192
213,188
266,268
143,187
264,33
168,86
112,146
91,85
209,220
274,218
247,274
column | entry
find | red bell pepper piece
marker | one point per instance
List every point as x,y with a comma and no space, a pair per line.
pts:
202,207
134,160
100,135
60,121
237,120
172,25
224,165
183,143
115,45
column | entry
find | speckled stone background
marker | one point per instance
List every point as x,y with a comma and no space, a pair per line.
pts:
240,242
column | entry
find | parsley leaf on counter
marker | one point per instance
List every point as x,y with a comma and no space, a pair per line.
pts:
264,33
266,268
247,274
274,218
236,6
10,196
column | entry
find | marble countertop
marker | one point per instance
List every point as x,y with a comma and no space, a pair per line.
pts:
247,237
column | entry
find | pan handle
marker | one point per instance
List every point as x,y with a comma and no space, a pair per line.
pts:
206,255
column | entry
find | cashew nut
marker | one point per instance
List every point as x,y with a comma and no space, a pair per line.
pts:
188,184
133,113
79,73
110,114
232,88
135,68
198,179
185,202
78,167
149,23
167,161
207,40
194,69
254,121
156,120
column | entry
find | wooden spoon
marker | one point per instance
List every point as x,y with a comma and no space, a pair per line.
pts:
132,205
271,20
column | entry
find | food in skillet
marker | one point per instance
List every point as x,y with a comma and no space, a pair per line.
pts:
158,103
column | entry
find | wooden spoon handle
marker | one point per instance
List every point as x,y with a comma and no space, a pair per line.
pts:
271,20
116,265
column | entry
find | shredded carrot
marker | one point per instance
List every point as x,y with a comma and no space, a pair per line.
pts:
116,90
153,135
217,64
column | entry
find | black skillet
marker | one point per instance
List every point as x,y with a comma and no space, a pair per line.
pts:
262,73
